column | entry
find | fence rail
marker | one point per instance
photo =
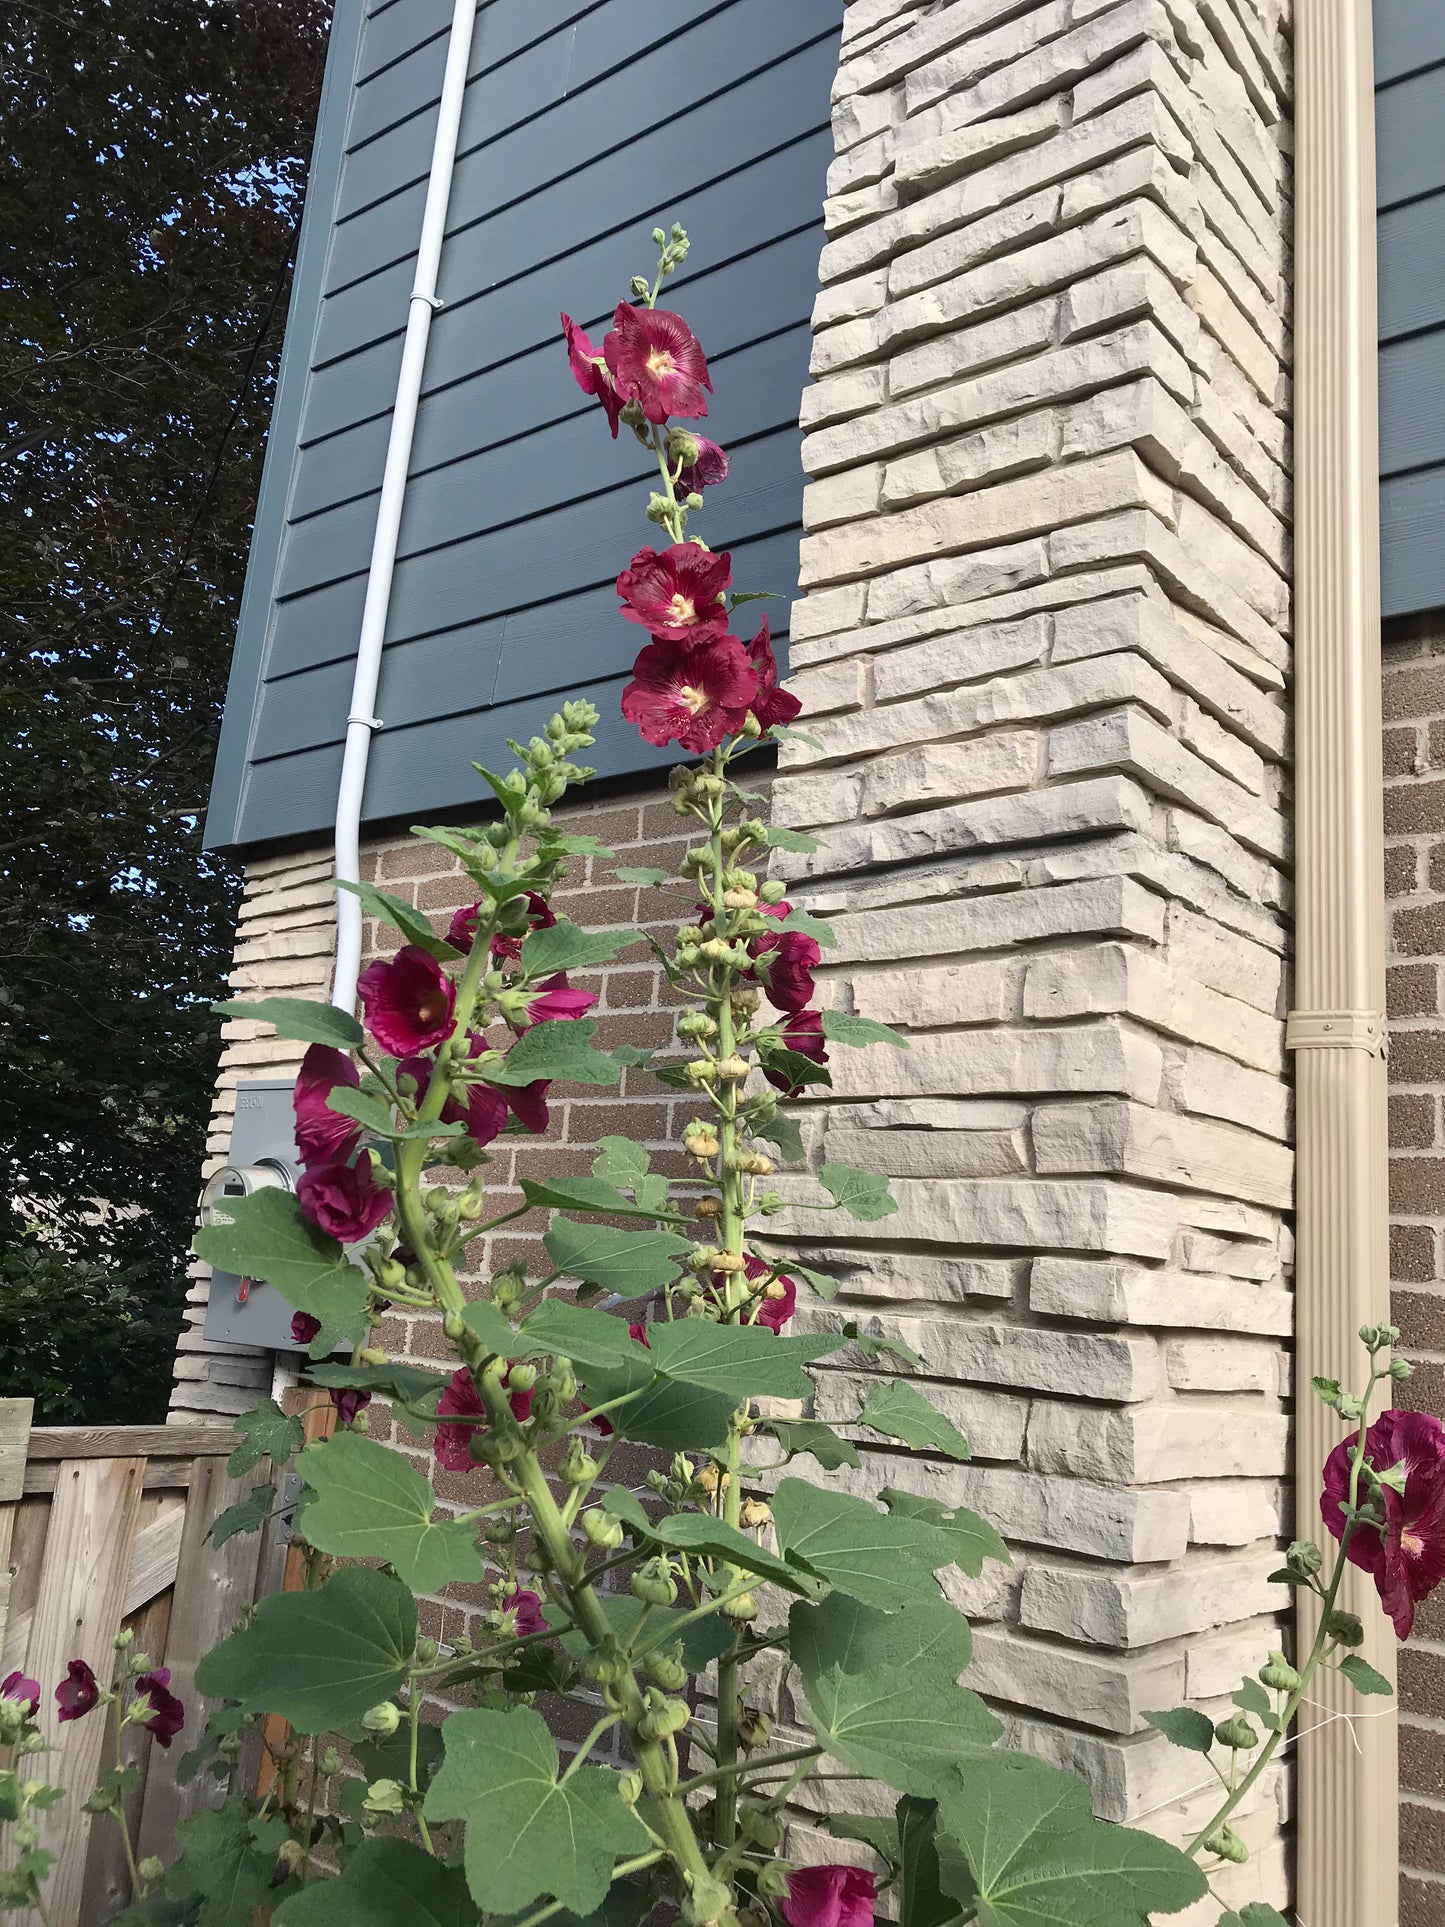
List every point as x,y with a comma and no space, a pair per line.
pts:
104,1527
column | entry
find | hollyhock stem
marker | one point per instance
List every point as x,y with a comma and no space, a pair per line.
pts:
414,1721
1323,1639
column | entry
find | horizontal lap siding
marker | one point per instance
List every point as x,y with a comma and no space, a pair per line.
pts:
584,126
1410,167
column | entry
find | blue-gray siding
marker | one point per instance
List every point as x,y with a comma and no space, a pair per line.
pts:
1410,166
585,125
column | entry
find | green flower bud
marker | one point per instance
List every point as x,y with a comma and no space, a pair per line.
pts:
124,1639
762,1827
773,1880
629,1788
708,1899
521,1378
385,1796
330,1762
1304,1556
578,1466
1227,1844
426,1651
744,1607
666,1671
454,1327
653,1581
382,1719
1401,1369
602,1529
773,891
1278,1675
1237,1733
1345,1629
755,1729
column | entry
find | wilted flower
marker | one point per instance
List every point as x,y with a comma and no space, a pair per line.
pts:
462,930
771,704
527,1606
772,1312
590,371
691,697
461,1400
304,1328
829,1897
349,1400
676,594
166,1715
321,1134
409,1002
77,1692
1406,1559
22,1692
657,362
802,1033
343,1200
710,468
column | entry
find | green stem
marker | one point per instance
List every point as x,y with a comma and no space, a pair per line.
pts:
674,1626
619,1872
414,1716
739,1767
579,1758
137,1885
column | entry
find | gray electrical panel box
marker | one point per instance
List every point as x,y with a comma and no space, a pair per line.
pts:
244,1311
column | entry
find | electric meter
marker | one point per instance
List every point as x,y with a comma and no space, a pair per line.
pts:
242,1181
245,1311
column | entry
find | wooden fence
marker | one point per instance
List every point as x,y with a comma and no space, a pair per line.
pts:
102,1528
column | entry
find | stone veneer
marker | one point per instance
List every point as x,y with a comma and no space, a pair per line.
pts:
1043,649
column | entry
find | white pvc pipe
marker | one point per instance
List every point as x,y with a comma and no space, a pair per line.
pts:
361,720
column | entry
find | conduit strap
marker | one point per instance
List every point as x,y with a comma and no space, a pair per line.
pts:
1337,1030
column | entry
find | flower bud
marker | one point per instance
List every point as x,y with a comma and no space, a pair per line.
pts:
629,1788
521,1378
762,1827
755,1513
744,1607
370,1355
773,1880
729,1262
707,1209
382,1719
330,1762
1345,1628
1237,1733
693,501
653,1582
733,1070
384,1796
755,1729
1226,1843
773,891
708,1899
454,1327
664,1716
711,1476
152,1868
426,1651
124,1639
1401,1369
1304,1557
666,1671
578,1467
602,1529
639,287
1278,1674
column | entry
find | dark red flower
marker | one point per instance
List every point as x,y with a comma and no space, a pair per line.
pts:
787,960
657,362
771,704
555,997
461,1400
409,1002
462,930
691,697
22,1691
527,1606
829,1897
349,1400
1407,1559
710,467
590,372
321,1134
803,1033
77,1692
677,594
304,1328
539,917
772,1312
528,1104
167,1715
343,1200
481,1107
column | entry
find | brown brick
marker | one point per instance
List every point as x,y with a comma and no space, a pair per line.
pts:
1435,869
1422,1837
1412,1122
1421,1318
1402,869
1424,1392
1417,1187
1437,745
1415,806
1422,1679
1421,932
1415,692
1422,1759
1400,748
1417,1057
1412,990
1412,1254
1422,1902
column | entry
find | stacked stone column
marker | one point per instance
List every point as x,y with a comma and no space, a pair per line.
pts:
1043,648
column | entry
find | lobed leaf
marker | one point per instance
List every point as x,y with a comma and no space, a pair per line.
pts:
973,1539
899,1412
931,1640
875,1557
247,1515
1363,1677
631,1263
1184,1726
698,1532
592,1194
842,1027
809,1435
372,1503
862,1194
413,924
384,1882
560,1049
300,1018
269,1237
880,1724
567,946
266,1432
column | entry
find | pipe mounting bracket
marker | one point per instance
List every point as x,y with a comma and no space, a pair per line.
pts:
1337,1030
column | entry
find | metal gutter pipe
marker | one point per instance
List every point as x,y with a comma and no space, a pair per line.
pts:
1348,1788
361,721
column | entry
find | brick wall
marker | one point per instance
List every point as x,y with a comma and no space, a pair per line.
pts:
1414,756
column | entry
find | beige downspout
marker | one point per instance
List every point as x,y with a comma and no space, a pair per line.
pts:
1348,1832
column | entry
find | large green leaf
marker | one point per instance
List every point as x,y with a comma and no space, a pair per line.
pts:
302,1019
229,1857
528,1832
880,1723
567,946
588,1194
810,1435
699,1532
931,1640
842,1027
386,1882
679,1416
872,1556
269,1238
922,1900
495,1330
413,924
319,1659
630,1263
247,1515
593,1340
742,1361
810,926
621,1160
1037,1857
1185,1726
862,1194
559,1048
876,1830
407,1383
372,1503
266,1432
973,1539
899,1412
374,1113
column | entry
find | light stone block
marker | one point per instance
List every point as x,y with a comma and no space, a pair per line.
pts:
923,1278
830,796
966,993
946,772
1237,1513
1107,1293
932,150
930,1154
1199,948
991,454
846,300
948,27
841,498
1133,1609
1230,1256
824,613
1112,906
1112,1694
1221,1365
1007,337
960,656
1163,1147
835,398
952,584
1103,1056
1154,1443
1215,1087
1117,977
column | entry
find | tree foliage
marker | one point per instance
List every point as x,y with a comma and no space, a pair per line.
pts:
152,178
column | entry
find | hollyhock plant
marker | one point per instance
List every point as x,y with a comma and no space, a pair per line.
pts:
787,960
304,1328
21,1692
343,1200
156,1707
348,1400
461,1400
77,1693
829,1897
409,1002
1405,1557
771,705
556,998
691,697
709,467
480,1107
591,372
526,1606
802,1034
462,930
656,361
677,595
322,1135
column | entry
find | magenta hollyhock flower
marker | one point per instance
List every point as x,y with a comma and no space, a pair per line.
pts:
710,468
771,704
1407,1559
409,1002
462,930
539,917
829,1897
656,361
555,997
321,1134
691,697
343,1200
803,1033
77,1692
167,1715
528,1104
461,1400
24,1692
590,371
772,1312
349,1400
788,959
304,1328
677,594
527,1605
480,1107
